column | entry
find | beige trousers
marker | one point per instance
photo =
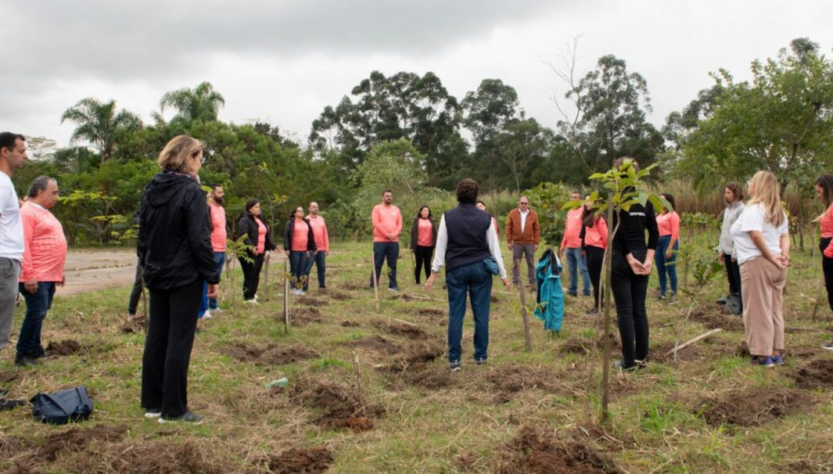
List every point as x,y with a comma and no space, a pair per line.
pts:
762,288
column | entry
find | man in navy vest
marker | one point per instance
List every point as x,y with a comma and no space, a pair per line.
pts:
467,244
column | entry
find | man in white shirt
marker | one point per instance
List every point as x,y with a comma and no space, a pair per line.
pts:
12,156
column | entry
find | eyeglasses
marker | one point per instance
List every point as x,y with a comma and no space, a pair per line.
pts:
524,204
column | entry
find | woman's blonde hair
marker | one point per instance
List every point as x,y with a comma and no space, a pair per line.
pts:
176,153
768,192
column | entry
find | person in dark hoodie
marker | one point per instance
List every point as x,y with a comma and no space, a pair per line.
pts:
259,237
175,253
299,244
423,241
630,271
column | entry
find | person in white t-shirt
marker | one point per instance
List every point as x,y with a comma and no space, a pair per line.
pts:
12,156
762,249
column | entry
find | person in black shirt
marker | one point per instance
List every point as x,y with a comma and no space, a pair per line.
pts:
175,253
631,268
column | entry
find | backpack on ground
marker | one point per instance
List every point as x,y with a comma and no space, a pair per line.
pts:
62,407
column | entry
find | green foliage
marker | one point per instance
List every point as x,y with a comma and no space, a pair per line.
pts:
548,199
100,124
200,103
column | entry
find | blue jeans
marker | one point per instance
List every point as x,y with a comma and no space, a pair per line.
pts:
211,303
667,268
319,259
385,251
298,269
475,280
576,259
37,305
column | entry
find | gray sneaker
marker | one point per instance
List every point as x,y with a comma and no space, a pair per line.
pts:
187,417
455,366
828,346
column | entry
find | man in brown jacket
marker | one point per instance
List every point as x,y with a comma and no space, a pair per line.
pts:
522,235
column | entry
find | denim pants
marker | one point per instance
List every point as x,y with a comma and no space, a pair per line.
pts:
576,259
37,305
476,281
666,268
211,303
319,259
385,251
298,269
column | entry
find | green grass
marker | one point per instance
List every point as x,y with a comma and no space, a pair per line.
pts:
462,427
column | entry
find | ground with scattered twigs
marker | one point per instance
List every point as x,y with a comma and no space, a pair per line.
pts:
369,390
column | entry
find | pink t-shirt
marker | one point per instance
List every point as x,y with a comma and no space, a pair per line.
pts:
596,236
572,232
45,248
425,233
261,236
669,224
300,237
386,220
319,231
218,233
826,224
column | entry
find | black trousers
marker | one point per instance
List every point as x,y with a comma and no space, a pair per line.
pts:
595,259
629,292
827,266
732,274
423,257
251,275
136,292
173,322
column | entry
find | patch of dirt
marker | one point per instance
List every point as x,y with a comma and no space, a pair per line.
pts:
271,354
70,347
160,457
535,452
686,354
340,296
429,377
753,407
377,343
399,329
341,407
431,312
413,366
306,300
350,324
516,378
304,316
714,320
583,346
77,439
494,299
816,374
405,297
353,286
299,461
135,326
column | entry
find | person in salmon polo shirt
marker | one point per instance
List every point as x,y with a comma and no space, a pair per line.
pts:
322,244
217,214
299,244
571,245
387,225
42,267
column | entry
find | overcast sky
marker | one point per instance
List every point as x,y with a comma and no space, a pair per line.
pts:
283,61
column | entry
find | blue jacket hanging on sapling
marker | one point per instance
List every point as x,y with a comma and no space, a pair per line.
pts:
550,294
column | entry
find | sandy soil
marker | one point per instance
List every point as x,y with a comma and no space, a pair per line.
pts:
91,270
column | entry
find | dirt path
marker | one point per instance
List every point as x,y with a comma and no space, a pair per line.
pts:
91,270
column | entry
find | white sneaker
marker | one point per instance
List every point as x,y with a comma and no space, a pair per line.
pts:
252,302
217,310
207,314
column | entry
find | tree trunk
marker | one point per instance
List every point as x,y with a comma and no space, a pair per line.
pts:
605,417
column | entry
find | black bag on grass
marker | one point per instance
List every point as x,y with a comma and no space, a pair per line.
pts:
60,408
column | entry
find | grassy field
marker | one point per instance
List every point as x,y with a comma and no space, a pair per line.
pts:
370,393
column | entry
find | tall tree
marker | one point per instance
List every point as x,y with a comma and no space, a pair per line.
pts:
200,103
100,124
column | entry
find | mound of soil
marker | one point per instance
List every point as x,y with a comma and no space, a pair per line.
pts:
303,316
405,297
350,324
494,299
576,346
429,377
378,344
136,326
161,457
533,452
430,312
296,460
753,407
714,320
413,366
341,407
271,354
63,348
352,286
516,378
816,374
340,296
399,329
306,300
77,439
686,354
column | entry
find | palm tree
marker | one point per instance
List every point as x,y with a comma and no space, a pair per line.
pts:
100,124
201,103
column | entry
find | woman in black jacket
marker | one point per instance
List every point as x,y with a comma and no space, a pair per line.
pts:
258,236
631,268
174,249
423,241
299,244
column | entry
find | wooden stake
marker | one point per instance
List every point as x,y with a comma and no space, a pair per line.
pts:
266,278
692,341
375,280
286,296
524,313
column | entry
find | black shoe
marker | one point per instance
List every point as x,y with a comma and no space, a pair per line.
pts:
187,417
480,361
455,366
24,361
627,368
6,405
